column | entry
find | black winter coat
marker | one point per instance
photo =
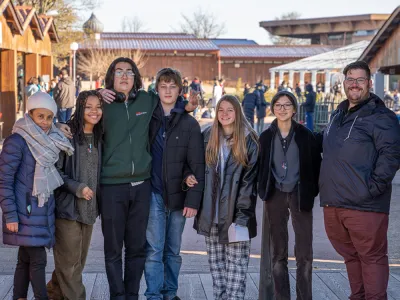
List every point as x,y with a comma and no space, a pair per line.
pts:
66,195
311,97
238,195
361,155
183,148
249,104
17,168
310,162
261,105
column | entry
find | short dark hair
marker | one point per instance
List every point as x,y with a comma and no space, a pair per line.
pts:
168,75
64,71
279,95
137,80
360,64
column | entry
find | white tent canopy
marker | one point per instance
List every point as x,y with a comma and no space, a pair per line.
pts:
328,61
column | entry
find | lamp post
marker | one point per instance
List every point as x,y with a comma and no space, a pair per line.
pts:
74,47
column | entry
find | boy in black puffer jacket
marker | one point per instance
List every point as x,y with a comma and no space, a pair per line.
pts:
176,142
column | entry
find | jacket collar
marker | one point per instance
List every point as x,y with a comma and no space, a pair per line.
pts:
365,108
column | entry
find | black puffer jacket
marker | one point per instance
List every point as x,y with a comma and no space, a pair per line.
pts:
361,155
66,195
238,195
183,148
310,162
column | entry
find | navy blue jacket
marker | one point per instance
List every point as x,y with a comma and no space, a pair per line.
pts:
361,155
17,169
311,97
261,105
249,104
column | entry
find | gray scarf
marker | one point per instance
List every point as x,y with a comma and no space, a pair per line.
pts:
45,148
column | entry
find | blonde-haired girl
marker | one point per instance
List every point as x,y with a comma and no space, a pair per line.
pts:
227,215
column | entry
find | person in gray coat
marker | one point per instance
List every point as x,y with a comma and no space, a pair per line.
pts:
64,95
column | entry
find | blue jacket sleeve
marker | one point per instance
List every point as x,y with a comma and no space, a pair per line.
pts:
10,160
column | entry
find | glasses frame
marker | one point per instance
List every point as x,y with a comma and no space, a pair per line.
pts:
285,106
350,80
124,73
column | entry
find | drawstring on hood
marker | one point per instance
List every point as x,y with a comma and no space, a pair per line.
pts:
330,124
351,128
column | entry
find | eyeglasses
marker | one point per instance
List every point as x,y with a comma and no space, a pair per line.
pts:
285,106
359,81
120,73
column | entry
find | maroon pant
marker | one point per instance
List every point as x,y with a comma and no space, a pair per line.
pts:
361,238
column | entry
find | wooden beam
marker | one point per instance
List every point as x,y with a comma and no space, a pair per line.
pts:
3,5
8,89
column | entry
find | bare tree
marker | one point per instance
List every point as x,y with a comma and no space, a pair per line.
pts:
282,40
95,62
133,24
202,25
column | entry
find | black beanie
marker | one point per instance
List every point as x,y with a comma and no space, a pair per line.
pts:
278,95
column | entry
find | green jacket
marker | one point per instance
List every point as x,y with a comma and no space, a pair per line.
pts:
126,156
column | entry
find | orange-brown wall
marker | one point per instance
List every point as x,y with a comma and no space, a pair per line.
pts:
38,61
205,68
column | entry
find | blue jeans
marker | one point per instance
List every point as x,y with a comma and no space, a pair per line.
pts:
310,120
164,238
64,114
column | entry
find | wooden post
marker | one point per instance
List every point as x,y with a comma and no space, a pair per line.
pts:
31,69
31,65
266,290
8,89
47,66
219,66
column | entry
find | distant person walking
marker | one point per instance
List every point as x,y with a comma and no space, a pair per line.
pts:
64,95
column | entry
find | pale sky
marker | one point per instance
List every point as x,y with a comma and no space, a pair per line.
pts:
241,17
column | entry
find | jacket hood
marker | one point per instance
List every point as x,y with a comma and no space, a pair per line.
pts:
309,88
68,81
373,102
179,106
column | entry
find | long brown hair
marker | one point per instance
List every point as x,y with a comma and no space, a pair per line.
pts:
238,141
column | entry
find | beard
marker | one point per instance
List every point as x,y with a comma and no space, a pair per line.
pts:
358,93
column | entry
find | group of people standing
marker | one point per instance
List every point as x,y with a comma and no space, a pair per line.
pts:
141,162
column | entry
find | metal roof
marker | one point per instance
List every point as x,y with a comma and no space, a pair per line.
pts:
152,44
273,51
233,42
332,60
145,35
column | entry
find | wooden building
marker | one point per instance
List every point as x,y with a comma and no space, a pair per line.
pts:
206,59
338,31
26,37
383,53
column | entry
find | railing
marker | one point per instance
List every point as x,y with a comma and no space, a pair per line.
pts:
324,107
